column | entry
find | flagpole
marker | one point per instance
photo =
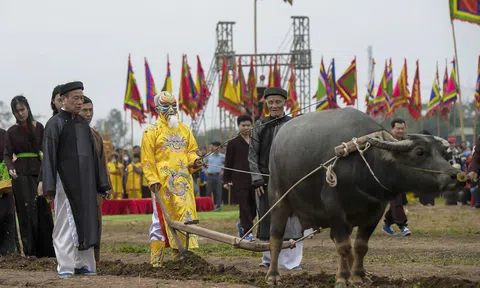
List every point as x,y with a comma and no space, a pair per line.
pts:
255,29
475,126
460,111
133,165
438,123
124,135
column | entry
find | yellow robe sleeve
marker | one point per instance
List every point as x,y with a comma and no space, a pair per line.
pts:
148,156
192,152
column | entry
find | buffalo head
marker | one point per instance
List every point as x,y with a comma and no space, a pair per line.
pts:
419,164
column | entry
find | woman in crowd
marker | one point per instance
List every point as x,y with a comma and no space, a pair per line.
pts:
24,140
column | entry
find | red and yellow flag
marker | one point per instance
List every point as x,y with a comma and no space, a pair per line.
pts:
465,10
292,99
415,101
228,99
201,86
347,84
132,100
401,95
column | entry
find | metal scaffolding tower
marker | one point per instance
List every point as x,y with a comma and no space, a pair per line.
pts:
300,51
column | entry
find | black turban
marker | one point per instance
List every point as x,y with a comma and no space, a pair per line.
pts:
275,91
70,87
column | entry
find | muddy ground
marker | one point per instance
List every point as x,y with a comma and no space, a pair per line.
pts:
443,251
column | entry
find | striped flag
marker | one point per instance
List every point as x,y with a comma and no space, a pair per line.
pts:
370,97
435,97
292,102
151,91
132,100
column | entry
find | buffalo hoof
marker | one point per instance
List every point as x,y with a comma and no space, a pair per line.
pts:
341,283
356,281
273,278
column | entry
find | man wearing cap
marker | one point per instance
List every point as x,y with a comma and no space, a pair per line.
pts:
258,158
452,152
73,177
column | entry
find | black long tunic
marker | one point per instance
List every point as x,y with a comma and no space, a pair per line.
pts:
259,157
69,150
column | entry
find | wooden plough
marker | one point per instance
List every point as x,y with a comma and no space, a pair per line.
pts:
191,227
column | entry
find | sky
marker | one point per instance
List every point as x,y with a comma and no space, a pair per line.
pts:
49,42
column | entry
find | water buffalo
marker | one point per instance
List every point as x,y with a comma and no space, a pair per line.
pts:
358,199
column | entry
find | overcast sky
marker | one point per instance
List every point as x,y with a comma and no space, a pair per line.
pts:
48,42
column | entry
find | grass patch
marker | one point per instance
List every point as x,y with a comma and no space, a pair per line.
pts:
231,214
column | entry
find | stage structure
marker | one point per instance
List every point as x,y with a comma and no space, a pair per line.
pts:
299,50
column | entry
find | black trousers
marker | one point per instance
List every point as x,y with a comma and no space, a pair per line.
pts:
245,197
8,229
25,192
395,213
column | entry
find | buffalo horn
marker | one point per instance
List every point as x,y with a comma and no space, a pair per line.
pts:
400,146
443,141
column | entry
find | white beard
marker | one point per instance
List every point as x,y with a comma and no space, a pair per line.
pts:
173,121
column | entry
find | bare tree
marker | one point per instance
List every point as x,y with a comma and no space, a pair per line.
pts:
5,115
112,127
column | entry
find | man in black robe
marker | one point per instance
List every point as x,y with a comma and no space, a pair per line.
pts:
258,157
72,175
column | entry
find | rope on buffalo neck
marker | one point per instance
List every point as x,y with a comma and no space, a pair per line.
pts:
361,151
324,165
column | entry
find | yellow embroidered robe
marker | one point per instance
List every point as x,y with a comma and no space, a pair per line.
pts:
134,182
116,180
166,155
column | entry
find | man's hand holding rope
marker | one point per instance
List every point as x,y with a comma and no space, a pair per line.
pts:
259,184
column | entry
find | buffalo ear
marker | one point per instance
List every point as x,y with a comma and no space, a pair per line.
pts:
399,146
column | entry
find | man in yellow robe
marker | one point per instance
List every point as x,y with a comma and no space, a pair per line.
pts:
169,157
134,178
116,170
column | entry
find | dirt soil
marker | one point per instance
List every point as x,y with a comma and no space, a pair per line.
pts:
191,268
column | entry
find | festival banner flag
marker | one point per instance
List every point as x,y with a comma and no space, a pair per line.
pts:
451,90
184,89
242,89
332,96
389,88
370,97
382,103
133,100
167,85
323,89
347,84
401,95
292,99
465,10
477,89
252,90
435,102
201,86
271,83
228,99
151,91
415,101
192,93
277,78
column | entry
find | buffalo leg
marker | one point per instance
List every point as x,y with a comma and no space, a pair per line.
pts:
340,233
279,220
360,248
